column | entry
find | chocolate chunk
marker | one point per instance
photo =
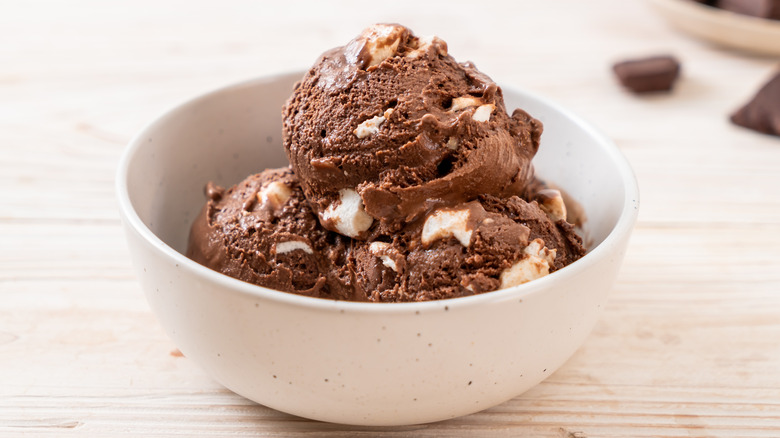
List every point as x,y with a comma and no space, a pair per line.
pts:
645,75
762,113
755,8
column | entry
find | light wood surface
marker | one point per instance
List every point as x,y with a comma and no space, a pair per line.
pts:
689,344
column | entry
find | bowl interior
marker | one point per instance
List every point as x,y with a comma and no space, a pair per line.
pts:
222,136
233,132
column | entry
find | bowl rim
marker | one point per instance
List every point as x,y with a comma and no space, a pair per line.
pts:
619,232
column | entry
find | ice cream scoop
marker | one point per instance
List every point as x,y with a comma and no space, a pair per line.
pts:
262,231
389,126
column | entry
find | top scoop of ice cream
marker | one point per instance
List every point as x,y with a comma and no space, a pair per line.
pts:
384,129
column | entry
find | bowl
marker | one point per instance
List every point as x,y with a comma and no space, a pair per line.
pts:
755,35
348,362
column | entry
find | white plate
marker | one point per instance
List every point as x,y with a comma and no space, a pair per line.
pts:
742,32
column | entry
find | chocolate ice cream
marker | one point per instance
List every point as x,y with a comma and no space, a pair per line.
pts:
483,245
408,182
389,126
262,231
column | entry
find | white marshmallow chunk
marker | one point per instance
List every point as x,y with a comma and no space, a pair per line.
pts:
378,249
369,127
423,43
551,202
348,215
293,245
390,263
274,194
534,264
464,102
447,223
482,114
382,42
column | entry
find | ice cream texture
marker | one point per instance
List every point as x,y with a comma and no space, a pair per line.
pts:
395,119
262,231
408,181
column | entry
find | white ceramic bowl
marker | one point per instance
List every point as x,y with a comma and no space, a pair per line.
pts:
359,363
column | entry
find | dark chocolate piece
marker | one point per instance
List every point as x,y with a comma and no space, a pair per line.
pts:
657,73
755,8
762,113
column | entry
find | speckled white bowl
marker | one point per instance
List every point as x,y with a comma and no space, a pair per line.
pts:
360,363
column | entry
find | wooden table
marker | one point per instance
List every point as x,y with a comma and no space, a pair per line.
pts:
688,346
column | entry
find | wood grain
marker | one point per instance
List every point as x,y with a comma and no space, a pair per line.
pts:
688,346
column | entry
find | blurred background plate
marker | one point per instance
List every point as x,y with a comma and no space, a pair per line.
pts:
742,32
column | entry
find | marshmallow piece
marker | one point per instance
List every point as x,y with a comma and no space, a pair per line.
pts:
453,143
424,43
390,263
274,194
381,42
447,223
292,245
551,202
482,114
378,249
464,102
348,215
534,264
371,126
